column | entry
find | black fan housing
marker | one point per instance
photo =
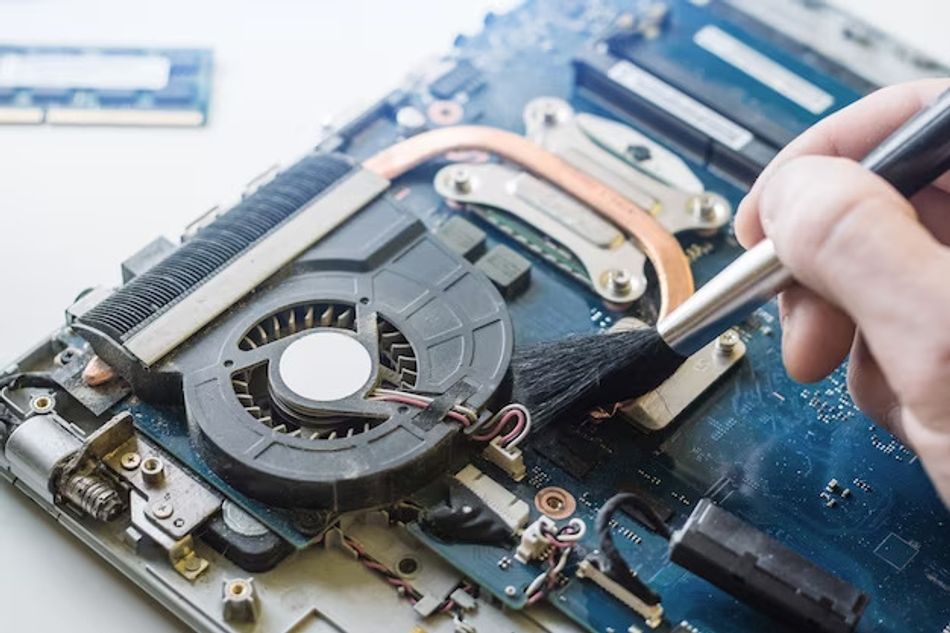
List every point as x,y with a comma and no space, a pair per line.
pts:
277,392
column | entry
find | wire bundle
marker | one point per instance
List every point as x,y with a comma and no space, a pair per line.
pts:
403,586
613,563
460,413
562,541
512,423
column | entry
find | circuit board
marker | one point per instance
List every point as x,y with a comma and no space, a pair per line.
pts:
767,445
799,462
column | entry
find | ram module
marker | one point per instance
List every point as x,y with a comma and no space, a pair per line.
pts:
104,86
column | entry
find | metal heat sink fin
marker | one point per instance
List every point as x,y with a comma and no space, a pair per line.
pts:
214,246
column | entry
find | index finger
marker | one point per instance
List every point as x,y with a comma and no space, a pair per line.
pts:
852,132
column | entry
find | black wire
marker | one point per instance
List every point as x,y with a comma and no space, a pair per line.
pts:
613,563
20,381
28,379
653,520
567,529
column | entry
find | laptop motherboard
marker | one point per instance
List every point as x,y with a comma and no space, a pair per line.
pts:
298,416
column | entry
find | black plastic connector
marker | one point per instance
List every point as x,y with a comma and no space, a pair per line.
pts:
763,573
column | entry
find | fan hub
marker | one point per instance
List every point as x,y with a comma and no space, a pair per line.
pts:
325,366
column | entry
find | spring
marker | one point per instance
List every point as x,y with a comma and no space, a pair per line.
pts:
94,495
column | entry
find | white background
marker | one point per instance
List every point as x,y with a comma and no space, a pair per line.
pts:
75,202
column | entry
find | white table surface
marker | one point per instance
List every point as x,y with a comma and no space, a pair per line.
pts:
281,68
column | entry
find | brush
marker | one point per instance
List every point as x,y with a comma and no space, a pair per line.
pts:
578,373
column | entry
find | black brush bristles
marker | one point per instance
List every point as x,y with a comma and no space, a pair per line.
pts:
581,372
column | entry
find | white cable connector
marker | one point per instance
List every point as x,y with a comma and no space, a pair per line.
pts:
534,544
509,458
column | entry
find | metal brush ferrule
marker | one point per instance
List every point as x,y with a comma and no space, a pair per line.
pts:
745,284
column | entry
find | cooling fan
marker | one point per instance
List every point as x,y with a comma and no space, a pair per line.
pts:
292,391
279,391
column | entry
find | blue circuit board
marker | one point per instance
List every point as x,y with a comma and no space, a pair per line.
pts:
104,86
759,444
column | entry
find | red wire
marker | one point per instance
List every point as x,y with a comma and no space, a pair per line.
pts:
500,425
422,404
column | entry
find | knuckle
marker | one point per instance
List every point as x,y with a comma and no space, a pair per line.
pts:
842,230
797,211
819,209
935,368
923,380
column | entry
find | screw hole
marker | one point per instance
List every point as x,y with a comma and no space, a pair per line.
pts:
151,465
403,409
364,300
229,363
408,566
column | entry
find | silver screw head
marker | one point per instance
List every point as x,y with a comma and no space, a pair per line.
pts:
163,510
709,207
461,180
550,112
620,281
727,341
510,590
130,461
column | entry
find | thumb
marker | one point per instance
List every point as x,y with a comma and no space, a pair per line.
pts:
853,239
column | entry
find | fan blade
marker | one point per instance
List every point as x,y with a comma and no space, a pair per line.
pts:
292,321
345,320
326,319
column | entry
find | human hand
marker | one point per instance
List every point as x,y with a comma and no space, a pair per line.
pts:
873,271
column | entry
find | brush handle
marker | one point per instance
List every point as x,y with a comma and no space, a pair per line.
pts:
909,159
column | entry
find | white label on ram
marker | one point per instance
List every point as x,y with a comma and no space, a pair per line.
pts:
680,105
764,69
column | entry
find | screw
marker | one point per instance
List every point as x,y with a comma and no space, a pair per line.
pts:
461,180
707,207
410,118
130,461
727,342
466,509
549,113
511,591
163,510
193,563
619,281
